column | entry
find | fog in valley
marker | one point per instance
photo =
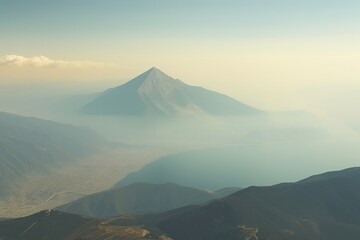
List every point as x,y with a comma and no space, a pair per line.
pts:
179,120
201,150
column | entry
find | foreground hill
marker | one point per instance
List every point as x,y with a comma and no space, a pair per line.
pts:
141,198
156,93
325,206
30,144
56,225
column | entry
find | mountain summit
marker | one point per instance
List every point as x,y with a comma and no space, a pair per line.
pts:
155,93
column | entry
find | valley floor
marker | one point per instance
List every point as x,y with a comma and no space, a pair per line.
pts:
63,185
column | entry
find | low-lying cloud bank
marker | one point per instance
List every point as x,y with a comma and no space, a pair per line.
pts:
44,62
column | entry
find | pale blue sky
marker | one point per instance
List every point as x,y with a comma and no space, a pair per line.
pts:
25,25
254,50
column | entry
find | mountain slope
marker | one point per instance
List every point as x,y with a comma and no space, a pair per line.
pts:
30,144
56,225
156,93
141,198
326,208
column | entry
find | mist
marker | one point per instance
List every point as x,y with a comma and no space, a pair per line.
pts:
179,134
267,148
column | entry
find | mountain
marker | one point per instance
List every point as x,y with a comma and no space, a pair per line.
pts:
325,206
141,198
56,225
349,173
155,93
30,145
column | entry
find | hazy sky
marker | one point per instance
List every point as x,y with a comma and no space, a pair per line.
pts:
278,54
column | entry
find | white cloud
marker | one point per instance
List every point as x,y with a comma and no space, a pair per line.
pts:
44,62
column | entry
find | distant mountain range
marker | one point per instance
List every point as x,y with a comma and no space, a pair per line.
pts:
141,198
33,145
325,206
155,93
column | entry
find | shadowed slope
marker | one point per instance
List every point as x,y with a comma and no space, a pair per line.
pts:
327,208
56,225
141,198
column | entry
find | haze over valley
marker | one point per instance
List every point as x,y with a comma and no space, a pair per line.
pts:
124,147
179,120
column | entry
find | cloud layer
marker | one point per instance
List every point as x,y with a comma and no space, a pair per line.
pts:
44,62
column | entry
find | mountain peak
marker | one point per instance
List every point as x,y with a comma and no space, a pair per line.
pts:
157,74
152,75
154,69
156,93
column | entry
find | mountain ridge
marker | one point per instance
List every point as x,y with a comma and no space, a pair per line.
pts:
141,198
327,207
